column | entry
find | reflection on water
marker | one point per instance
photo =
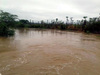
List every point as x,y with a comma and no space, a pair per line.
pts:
49,52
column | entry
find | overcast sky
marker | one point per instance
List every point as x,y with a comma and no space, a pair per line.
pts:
50,9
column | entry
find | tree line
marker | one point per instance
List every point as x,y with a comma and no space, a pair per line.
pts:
8,22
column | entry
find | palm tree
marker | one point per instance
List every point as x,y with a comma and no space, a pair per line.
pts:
56,20
71,18
85,17
84,23
67,18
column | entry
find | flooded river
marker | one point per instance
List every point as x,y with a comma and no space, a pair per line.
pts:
49,52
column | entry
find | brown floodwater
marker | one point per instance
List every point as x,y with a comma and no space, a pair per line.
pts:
49,52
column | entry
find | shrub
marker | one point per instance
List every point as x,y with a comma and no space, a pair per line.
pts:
5,31
11,32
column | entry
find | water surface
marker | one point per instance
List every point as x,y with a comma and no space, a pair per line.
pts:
49,52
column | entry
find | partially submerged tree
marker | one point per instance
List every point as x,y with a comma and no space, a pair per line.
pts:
7,21
7,18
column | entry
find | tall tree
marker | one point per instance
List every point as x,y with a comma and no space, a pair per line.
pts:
85,17
66,19
7,18
56,20
71,18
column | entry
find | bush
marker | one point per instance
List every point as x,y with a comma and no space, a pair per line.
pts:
11,32
94,27
5,31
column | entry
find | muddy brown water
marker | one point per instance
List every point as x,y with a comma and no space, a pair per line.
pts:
49,52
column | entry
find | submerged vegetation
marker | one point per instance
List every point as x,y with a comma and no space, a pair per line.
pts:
8,22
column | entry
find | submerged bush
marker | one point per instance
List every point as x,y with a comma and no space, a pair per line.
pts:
5,31
11,32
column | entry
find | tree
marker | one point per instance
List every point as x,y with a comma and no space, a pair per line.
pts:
7,18
71,18
7,21
66,19
3,29
56,20
24,21
84,24
85,17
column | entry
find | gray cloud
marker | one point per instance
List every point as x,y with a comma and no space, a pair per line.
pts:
51,9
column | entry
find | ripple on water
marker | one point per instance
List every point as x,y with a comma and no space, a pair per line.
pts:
16,62
58,52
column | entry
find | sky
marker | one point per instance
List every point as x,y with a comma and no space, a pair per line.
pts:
38,10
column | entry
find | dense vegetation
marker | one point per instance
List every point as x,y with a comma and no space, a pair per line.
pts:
8,22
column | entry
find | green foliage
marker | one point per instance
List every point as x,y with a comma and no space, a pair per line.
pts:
22,23
63,27
11,32
85,17
3,29
93,27
87,32
7,18
7,21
